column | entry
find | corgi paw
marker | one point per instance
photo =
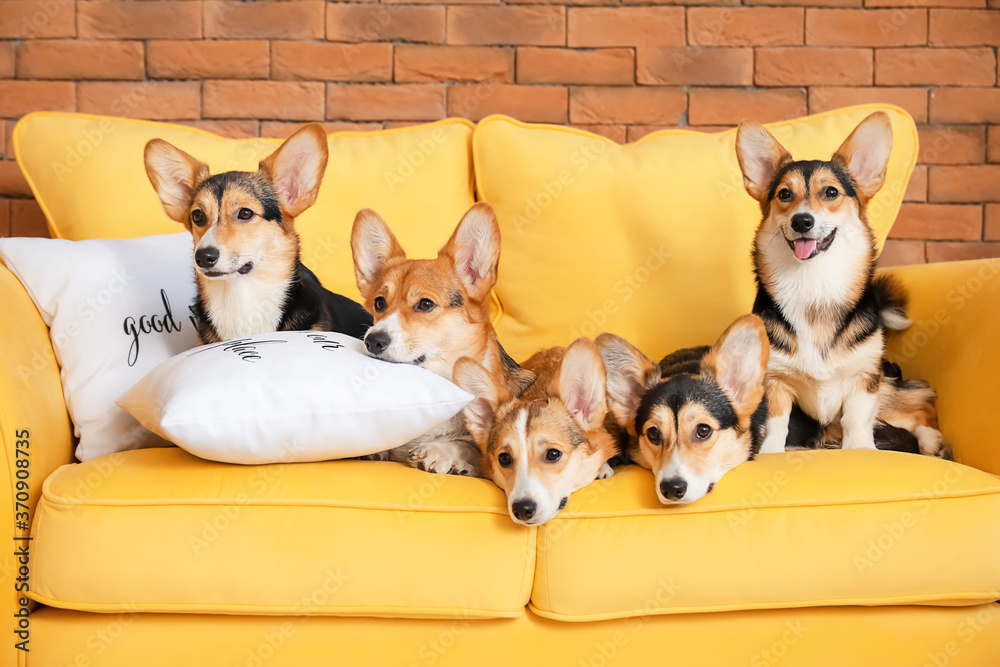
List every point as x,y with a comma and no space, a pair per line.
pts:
605,471
444,458
772,445
931,442
863,442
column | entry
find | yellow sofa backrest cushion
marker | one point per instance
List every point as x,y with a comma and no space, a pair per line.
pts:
88,176
649,240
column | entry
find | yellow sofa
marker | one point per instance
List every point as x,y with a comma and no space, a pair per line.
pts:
153,557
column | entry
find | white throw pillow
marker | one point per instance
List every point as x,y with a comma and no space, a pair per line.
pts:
115,310
289,396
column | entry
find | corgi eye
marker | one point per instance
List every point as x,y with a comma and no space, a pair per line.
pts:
424,306
654,436
702,431
244,214
784,194
832,192
504,460
198,217
379,304
553,455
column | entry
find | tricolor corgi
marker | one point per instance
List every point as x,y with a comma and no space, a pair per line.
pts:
247,267
432,312
551,440
697,414
702,411
825,311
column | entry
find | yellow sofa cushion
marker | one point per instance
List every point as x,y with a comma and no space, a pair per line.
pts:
649,240
160,530
855,637
87,174
800,529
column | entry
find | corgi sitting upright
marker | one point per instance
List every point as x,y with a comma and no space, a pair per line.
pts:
814,256
432,312
551,440
247,267
697,414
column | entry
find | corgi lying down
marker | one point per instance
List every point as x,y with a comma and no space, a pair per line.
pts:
550,441
430,313
701,412
697,415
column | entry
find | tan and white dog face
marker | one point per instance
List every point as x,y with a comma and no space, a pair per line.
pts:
242,222
428,312
814,211
541,447
690,429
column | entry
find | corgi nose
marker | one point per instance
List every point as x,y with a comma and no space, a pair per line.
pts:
674,489
206,257
377,341
524,509
802,222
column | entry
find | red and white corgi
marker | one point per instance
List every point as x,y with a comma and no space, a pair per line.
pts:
432,312
551,440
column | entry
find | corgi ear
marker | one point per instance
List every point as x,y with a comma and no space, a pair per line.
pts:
174,175
372,245
760,156
630,375
297,167
581,384
481,413
738,363
866,153
474,249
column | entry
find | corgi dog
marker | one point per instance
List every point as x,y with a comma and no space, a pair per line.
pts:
697,414
551,440
702,411
247,267
825,311
431,313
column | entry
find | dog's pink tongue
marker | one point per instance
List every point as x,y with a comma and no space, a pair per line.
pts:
804,248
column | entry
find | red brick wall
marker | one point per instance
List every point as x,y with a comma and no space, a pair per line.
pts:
621,68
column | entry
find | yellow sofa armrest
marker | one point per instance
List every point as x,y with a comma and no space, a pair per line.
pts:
954,343
36,436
